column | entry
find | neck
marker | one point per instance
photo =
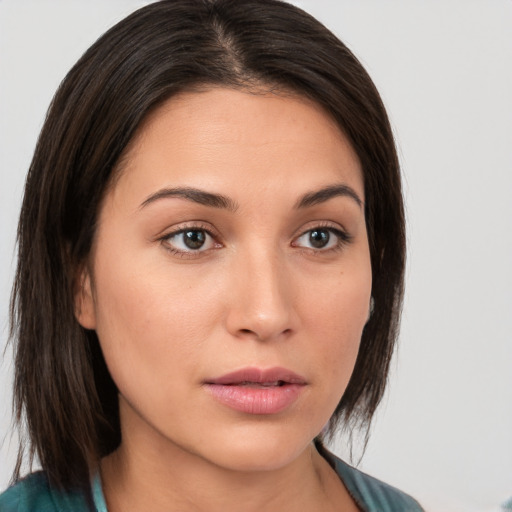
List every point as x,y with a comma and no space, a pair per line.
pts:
134,483
150,472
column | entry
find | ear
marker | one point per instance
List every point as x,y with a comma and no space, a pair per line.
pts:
84,301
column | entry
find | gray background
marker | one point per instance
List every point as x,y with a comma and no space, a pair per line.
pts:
443,67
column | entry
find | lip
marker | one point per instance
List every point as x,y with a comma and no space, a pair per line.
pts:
257,391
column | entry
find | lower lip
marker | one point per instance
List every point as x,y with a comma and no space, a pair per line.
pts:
256,400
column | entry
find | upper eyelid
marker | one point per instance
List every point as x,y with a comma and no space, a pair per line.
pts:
185,229
310,226
190,225
216,235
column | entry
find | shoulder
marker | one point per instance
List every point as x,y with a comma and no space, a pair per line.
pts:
371,494
31,493
34,494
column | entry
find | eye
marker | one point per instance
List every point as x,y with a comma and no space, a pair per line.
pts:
321,238
189,240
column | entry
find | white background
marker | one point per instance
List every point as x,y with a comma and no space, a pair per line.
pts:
444,68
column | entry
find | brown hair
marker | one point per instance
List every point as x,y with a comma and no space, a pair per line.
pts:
63,390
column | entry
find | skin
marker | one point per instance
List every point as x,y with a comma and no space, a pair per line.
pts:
257,293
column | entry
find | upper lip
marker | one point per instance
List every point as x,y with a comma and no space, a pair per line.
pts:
258,376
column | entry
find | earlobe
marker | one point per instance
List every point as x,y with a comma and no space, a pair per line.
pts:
84,301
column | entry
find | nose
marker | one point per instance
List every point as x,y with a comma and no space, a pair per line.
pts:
261,305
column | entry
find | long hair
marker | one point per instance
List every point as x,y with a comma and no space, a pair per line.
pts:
63,391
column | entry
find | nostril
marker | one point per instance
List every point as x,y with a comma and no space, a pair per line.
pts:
261,335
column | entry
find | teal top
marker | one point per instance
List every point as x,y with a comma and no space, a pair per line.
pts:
34,494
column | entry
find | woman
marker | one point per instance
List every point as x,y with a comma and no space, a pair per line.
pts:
211,257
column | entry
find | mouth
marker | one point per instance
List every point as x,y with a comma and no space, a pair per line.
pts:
249,384
256,391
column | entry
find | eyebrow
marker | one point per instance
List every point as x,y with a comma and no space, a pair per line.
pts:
223,202
195,195
326,193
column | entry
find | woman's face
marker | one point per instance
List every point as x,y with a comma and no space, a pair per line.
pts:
230,278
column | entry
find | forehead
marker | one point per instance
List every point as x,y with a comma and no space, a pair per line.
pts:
223,137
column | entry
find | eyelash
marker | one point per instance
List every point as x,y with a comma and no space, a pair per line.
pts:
190,253
342,239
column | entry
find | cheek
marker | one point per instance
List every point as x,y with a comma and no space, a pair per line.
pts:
337,311
152,325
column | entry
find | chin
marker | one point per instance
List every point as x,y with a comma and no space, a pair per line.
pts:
258,452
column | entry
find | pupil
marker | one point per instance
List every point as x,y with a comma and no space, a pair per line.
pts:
319,238
194,239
